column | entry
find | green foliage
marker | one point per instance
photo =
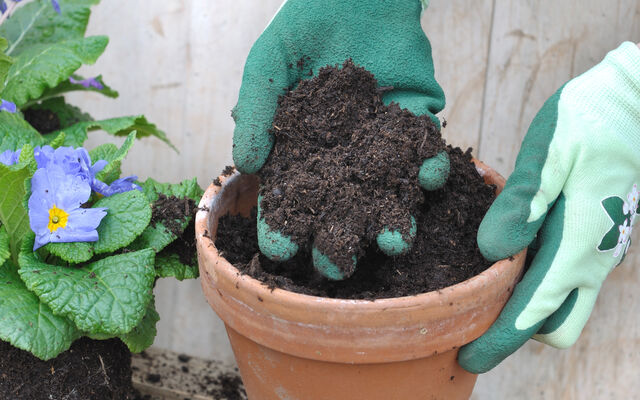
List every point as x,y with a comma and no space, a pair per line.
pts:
62,291
121,126
37,23
106,296
15,132
29,324
42,67
66,113
142,336
75,252
5,251
127,215
13,215
113,156
187,188
169,264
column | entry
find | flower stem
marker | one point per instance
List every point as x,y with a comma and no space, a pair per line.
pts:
9,11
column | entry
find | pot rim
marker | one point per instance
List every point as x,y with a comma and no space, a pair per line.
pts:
345,330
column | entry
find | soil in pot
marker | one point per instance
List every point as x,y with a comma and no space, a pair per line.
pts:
90,369
344,160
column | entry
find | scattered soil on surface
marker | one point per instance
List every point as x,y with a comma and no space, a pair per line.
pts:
344,164
44,121
444,252
170,211
90,369
231,387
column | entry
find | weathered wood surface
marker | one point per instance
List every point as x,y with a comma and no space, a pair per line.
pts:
180,63
166,375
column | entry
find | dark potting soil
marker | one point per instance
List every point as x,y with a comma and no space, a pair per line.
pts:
90,369
444,252
344,164
170,211
44,121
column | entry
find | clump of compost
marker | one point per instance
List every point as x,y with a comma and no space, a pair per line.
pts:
344,164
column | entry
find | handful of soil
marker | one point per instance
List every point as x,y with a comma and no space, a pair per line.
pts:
344,165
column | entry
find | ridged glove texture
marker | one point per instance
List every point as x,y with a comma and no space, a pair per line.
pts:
574,191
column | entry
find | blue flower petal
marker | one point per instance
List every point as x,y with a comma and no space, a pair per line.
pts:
120,186
8,106
9,157
56,6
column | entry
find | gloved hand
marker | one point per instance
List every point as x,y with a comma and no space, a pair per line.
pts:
575,188
385,37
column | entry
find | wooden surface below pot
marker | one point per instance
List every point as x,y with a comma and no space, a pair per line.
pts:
291,346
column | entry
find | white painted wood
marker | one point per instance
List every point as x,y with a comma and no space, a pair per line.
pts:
459,34
180,63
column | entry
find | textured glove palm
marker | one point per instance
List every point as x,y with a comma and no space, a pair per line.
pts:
574,190
383,36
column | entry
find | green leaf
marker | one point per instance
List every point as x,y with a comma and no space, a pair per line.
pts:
114,157
169,264
187,188
142,336
15,132
121,126
155,236
75,252
29,324
42,67
106,296
5,62
127,216
37,23
13,214
66,86
5,251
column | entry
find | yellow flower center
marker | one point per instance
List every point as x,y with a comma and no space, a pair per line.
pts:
57,218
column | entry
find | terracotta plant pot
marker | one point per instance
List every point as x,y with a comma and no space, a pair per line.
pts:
291,346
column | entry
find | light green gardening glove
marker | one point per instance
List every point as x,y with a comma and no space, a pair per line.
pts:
386,38
575,187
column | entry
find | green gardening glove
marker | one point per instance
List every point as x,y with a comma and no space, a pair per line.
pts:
386,38
574,190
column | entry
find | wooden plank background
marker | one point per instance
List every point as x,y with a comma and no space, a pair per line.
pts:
180,63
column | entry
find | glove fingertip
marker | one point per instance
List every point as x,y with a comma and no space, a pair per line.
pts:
393,243
434,171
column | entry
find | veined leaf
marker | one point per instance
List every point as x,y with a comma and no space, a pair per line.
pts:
5,62
15,132
121,126
13,214
66,86
169,264
74,252
29,324
5,251
37,23
128,214
113,156
107,296
187,188
142,336
45,66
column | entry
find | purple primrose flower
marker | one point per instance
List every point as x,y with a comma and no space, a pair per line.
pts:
120,186
55,208
78,162
87,83
8,106
9,157
56,6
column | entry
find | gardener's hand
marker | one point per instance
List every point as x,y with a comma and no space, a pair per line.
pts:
574,190
385,37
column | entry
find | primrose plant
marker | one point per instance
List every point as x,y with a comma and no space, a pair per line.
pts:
80,246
